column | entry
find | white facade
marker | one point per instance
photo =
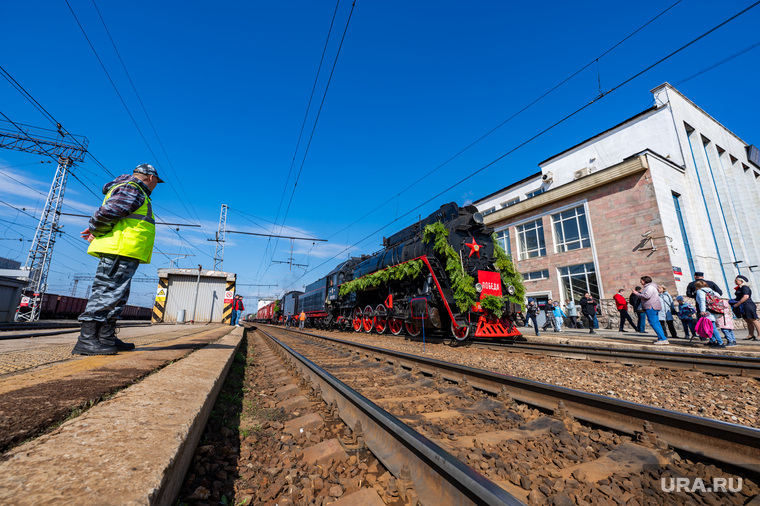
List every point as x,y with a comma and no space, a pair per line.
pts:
695,163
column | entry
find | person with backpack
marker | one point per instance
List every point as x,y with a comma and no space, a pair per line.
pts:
686,313
710,304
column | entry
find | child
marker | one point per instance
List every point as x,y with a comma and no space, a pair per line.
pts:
558,316
726,323
686,313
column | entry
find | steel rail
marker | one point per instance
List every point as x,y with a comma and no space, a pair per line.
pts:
437,476
733,444
740,365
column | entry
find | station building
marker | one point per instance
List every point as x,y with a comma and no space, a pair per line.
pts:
666,193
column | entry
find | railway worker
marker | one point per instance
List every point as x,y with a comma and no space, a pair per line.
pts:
701,295
237,310
622,306
301,320
686,313
121,233
691,288
744,303
531,313
549,311
650,302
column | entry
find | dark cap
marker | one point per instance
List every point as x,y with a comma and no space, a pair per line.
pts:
148,170
679,297
700,274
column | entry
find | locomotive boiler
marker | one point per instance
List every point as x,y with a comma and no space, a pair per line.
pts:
445,274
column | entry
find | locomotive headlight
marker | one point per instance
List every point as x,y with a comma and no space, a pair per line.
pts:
477,218
479,287
511,290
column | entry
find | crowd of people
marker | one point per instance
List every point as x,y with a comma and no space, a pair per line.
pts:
710,318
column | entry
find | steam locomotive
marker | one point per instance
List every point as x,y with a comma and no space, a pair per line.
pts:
435,276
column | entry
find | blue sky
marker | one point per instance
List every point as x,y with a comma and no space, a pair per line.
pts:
226,86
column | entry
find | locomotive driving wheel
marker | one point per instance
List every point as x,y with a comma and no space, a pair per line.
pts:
396,325
460,333
380,322
412,329
356,321
367,320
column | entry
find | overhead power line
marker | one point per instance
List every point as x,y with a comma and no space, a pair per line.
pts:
540,133
510,118
314,126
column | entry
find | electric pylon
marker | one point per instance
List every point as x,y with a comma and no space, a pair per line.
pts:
33,140
220,234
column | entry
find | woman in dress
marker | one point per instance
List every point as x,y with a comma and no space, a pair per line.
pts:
743,296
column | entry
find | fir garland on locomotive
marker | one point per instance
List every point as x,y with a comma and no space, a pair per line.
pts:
446,272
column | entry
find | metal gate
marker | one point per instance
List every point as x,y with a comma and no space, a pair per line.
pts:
181,295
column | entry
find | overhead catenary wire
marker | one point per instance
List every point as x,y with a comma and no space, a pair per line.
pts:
539,134
121,99
314,126
145,111
509,119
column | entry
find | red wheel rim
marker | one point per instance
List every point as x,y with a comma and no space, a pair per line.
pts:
367,320
412,329
379,322
395,325
357,320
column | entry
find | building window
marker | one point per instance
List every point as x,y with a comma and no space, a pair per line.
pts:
510,202
535,192
536,275
502,237
488,211
577,280
687,249
571,229
530,239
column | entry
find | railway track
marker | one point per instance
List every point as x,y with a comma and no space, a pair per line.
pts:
709,363
498,424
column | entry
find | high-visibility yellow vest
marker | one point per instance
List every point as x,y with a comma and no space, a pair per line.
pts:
132,236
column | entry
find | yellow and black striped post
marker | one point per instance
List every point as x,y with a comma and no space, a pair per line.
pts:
227,318
159,307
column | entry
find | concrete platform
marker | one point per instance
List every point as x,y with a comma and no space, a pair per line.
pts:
133,448
634,340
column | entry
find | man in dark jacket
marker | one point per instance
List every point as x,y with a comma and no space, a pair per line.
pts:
691,290
635,301
588,309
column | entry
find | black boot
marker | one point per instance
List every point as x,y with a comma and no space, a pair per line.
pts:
88,342
107,337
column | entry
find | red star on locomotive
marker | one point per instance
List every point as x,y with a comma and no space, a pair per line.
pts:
474,247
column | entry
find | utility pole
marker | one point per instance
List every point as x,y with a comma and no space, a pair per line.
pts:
220,235
38,141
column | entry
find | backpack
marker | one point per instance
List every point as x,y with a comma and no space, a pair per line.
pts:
714,303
